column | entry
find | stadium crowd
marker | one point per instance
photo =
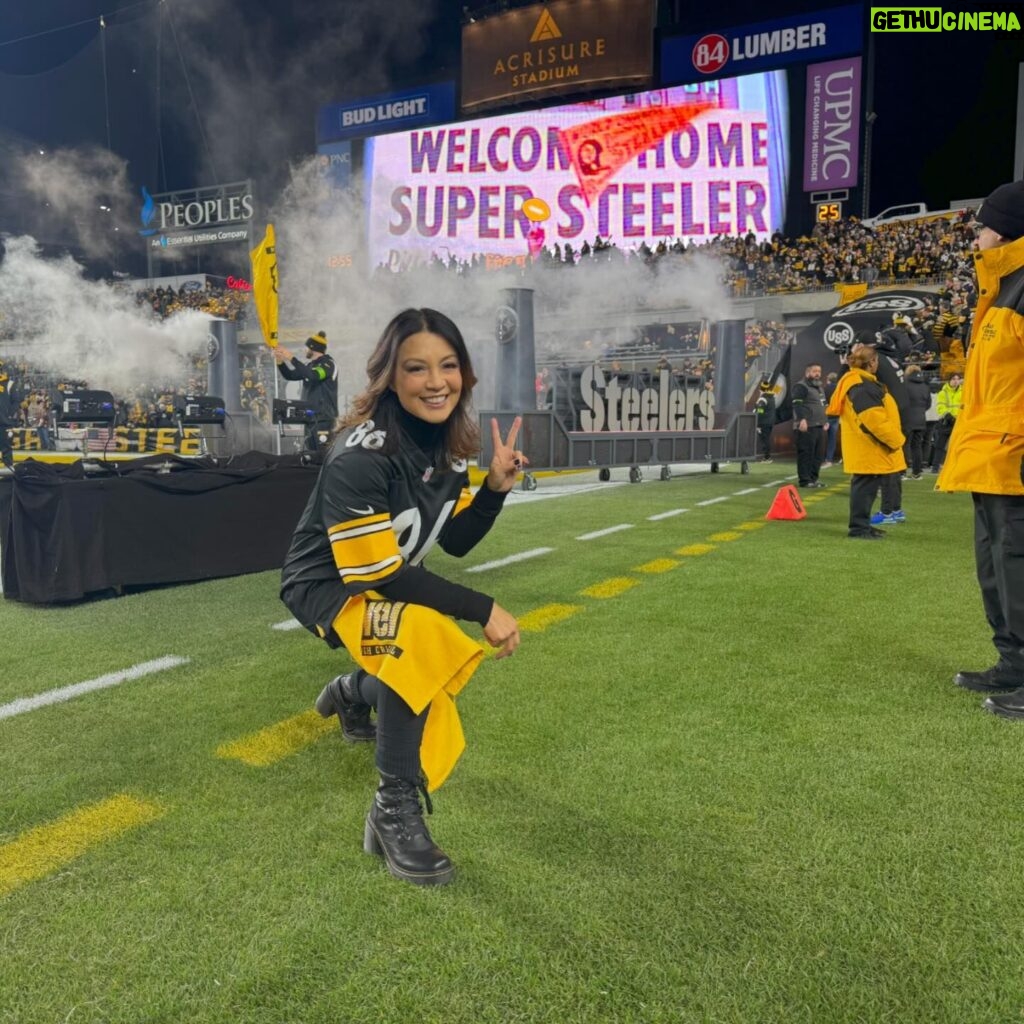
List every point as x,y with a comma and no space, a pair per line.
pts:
841,252
217,300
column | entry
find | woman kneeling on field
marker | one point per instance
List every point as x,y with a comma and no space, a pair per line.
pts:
393,484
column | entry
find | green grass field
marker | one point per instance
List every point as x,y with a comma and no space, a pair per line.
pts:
729,786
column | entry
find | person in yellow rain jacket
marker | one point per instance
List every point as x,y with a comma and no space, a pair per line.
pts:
392,485
872,439
986,450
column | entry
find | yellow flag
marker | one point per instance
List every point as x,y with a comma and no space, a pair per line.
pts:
851,292
264,285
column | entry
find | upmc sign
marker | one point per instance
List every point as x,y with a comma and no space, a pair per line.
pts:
832,126
762,47
555,48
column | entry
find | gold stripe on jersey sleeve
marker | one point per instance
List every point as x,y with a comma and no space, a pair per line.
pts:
465,498
371,571
348,524
365,550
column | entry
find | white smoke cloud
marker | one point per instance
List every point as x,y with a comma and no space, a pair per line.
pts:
89,330
322,261
80,197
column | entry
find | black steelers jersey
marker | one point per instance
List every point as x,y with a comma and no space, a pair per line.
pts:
369,523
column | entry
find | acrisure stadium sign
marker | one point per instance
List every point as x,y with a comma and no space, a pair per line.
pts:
556,48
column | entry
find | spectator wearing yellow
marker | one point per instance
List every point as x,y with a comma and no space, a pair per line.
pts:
872,439
986,450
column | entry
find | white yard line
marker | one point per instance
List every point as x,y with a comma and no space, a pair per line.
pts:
749,490
520,557
605,532
287,625
714,501
775,483
666,515
64,693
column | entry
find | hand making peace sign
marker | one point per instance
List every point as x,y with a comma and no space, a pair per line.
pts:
507,460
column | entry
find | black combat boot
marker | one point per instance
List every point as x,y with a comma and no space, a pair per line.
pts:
341,697
396,831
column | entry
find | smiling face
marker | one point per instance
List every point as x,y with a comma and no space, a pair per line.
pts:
428,377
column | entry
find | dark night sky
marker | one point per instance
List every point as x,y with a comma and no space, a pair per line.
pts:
217,90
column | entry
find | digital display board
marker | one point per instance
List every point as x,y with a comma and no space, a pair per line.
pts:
688,162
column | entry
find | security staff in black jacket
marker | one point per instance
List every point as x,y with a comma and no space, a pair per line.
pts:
765,409
319,378
810,424
9,403
919,401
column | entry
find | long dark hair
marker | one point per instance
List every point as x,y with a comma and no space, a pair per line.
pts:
379,403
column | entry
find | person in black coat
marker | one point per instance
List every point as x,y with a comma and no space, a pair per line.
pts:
765,409
9,405
319,378
919,401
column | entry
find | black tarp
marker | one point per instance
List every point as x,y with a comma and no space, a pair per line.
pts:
70,530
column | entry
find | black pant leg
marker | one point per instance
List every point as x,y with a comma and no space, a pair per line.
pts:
805,456
6,447
817,451
892,492
765,437
399,732
999,559
915,446
942,433
863,488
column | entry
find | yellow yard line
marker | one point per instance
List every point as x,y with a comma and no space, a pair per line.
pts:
693,550
753,525
609,588
658,565
46,848
276,742
725,536
547,615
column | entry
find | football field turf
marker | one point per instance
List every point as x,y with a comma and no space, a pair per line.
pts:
726,778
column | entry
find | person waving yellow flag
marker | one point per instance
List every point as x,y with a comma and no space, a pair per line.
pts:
264,285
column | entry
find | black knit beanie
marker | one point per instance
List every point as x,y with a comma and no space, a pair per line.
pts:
318,343
1003,211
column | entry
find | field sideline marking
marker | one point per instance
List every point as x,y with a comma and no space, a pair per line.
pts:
520,557
667,515
714,501
44,849
63,693
605,532
278,741
749,490
287,625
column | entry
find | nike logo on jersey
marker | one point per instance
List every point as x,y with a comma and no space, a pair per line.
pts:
360,511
